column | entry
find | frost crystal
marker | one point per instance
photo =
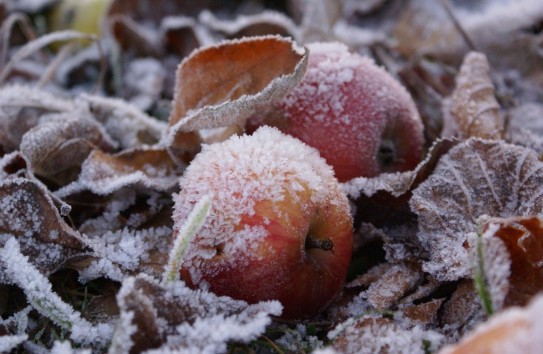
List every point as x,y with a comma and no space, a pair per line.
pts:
177,319
40,295
475,178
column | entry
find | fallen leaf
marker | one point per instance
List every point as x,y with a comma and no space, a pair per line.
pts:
176,318
475,178
473,111
263,23
523,238
515,330
382,335
57,146
28,213
149,168
223,85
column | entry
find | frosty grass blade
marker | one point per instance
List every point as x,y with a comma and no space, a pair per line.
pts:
37,44
190,227
43,299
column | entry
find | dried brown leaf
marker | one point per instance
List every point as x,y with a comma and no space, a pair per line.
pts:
225,84
476,178
20,109
382,335
525,126
57,146
424,314
175,318
396,282
126,124
516,330
134,37
263,23
462,310
523,238
28,213
182,35
473,109
148,168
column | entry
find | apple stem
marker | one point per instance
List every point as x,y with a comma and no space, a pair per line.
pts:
323,244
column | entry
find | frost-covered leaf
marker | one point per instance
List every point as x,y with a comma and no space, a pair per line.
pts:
388,283
8,343
523,239
515,330
263,23
117,254
506,31
382,335
383,200
42,298
476,178
148,168
126,124
397,184
225,84
57,146
28,213
20,110
491,270
183,34
525,126
462,311
13,165
473,110
174,318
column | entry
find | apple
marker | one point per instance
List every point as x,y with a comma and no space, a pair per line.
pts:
279,228
361,119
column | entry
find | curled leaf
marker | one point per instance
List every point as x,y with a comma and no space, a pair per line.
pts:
126,124
148,168
474,110
476,178
523,238
264,23
225,84
382,335
20,109
28,213
515,330
59,144
176,318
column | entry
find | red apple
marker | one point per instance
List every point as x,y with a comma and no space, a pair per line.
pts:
362,120
279,226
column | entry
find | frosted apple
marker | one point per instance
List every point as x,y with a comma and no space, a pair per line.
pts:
362,120
279,226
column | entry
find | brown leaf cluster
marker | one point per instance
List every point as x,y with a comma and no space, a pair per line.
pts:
95,133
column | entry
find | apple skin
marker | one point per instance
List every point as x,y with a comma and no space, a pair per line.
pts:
271,194
361,119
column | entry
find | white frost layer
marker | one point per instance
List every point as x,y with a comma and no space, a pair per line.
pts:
240,172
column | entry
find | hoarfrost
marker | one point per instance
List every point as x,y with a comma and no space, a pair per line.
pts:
174,318
28,213
233,84
8,343
378,335
515,330
148,168
40,295
241,172
474,110
66,348
124,122
475,178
